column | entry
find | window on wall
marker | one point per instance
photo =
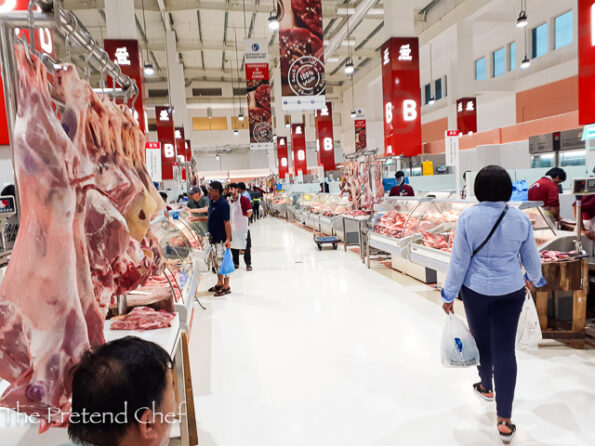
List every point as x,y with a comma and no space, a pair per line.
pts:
438,88
480,69
539,40
563,30
498,62
512,56
428,93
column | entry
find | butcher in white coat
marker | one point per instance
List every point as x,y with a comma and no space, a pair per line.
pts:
240,210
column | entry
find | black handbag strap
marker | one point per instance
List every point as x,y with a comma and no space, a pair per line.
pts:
480,247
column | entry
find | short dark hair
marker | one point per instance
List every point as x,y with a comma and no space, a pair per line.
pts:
204,190
234,185
241,186
399,174
492,183
217,186
119,377
9,190
556,172
163,195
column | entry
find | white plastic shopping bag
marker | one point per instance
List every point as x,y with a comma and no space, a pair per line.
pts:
458,346
528,332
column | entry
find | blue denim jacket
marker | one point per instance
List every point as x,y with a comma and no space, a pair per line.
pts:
496,269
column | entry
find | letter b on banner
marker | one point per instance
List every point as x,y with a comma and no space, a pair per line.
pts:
168,150
409,110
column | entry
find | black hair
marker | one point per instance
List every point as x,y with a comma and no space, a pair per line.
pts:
241,186
217,186
163,195
114,379
465,174
234,185
399,174
493,183
204,190
9,190
556,172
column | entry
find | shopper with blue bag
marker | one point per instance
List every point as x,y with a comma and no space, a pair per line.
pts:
492,243
219,227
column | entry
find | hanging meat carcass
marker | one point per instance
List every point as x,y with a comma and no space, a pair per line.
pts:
86,203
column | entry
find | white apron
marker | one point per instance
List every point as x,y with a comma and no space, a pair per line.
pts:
239,225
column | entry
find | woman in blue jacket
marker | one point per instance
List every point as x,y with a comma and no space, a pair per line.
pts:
487,272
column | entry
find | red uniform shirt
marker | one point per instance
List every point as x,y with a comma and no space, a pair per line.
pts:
404,190
246,205
545,190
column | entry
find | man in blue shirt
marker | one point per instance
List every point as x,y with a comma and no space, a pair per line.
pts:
219,228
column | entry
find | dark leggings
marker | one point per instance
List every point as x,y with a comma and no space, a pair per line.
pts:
493,321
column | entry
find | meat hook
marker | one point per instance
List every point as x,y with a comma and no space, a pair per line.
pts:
87,72
26,48
105,57
30,23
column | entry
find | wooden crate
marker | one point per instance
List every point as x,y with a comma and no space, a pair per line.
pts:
572,276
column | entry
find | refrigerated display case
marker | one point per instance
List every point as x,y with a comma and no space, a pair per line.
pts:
431,229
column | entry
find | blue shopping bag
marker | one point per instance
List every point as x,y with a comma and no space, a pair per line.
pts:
227,266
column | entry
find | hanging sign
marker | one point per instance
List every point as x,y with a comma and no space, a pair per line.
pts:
258,90
400,93
43,43
166,136
153,160
325,143
360,131
586,62
126,54
451,140
282,156
180,149
298,148
302,55
467,115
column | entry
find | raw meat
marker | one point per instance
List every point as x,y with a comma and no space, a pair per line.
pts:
40,288
550,256
263,96
143,318
378,182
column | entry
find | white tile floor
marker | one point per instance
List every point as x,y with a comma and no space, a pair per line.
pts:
312,348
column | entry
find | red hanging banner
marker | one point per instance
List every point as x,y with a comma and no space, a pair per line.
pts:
400,93
298,149
258,90
360,133
302,55
282,156
467,115
180,149
586,62
126,54
166,136
43,43
325,142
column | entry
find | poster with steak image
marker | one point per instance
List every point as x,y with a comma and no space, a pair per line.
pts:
258,94
360,133
302,54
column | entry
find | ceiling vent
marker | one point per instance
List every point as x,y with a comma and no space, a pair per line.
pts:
207,92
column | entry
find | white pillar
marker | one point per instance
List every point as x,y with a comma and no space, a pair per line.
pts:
120,19
177,87
398,19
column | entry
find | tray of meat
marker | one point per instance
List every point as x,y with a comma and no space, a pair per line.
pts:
143,318
550,256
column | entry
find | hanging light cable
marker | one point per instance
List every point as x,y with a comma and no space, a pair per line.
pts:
233,94
148,66
431,100
349,66
353,113
241,113
526,63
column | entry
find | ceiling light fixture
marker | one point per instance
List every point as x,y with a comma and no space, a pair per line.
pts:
522,22
235,132
431,101
149,70
217,157
349,67
148,66
353,114
273,21
241,115
526,63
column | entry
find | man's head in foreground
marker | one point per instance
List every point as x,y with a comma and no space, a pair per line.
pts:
122,394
